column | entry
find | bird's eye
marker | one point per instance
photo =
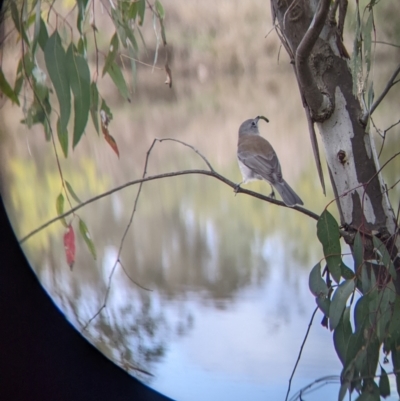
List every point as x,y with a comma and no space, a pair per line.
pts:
253,124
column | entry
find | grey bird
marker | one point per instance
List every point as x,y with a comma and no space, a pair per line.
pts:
258,161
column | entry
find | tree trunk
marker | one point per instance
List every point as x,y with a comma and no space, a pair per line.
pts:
310,34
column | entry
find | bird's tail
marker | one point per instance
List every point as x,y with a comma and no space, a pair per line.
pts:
287,194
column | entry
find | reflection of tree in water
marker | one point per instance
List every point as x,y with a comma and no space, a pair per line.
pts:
135,336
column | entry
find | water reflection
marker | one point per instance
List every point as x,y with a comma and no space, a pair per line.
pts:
227,303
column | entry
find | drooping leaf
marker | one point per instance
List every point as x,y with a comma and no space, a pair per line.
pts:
82,4
394,325
60,208
111,141
328,235
56,65
94,105
324,304
384,385
69,246
316,283
140,11
62,138
395,351
17,20
346,272
384,256
79,79
86,236
112,52
358,252
343,390
6,88
367,35
160,9
72,192
36,30
361,313
43,35
339,300
116,75
106,109
341,335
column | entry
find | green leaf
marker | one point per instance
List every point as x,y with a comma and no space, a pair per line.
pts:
133,10
82,4
79,79
106,109
328,235
72,192
365,278
60,208
324,304
394,325
341,335
62,137
36,30
116,75
160,9
113,49
343,390
338,303
367,35
140,11
55,59
384,385
94,105
358,252
395,351
16,17
86,236
6,88
43,35
361,313
346,272
317,285
383,256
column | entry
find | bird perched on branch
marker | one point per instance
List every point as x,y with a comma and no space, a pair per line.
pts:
258,161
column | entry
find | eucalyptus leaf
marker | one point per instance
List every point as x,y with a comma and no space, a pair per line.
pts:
328,235
56,65
86,237
79,78
338,302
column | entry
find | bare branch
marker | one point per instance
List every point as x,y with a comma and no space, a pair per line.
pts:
301,351
166,175
388,86
385,43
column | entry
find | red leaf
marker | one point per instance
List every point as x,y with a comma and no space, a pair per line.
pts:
104,128
111,141
69,246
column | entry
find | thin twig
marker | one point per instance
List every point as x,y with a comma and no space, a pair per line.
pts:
300,352
385,43
191,147
388,86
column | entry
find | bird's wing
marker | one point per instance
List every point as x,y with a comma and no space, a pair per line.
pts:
259,156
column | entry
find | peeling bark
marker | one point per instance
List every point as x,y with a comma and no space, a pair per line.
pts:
309,33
